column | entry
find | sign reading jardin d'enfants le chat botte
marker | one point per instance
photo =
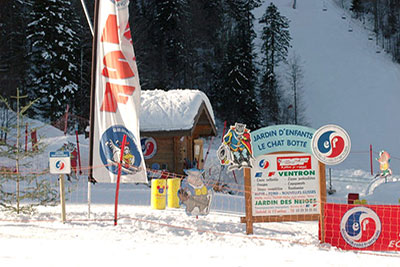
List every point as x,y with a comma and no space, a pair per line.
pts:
284,184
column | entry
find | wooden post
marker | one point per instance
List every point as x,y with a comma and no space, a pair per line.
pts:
322,194
62,198
248,200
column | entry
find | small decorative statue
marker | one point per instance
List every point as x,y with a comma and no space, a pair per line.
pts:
194,193
384,160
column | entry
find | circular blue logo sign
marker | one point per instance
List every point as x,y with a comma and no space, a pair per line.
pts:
331,144
110,150
360,227
149,147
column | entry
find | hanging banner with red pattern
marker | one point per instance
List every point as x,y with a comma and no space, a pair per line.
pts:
117,98
366,227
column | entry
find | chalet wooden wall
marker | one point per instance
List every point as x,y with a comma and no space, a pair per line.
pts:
164,155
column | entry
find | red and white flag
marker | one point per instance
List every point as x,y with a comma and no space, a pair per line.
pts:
116,98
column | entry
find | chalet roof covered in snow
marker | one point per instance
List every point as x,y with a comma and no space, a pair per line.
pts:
174,110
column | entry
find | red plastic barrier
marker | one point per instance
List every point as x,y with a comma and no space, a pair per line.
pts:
364,227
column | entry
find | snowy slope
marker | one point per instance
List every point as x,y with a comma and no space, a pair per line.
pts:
346,82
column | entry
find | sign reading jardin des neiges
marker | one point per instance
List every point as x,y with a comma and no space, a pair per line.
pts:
282,138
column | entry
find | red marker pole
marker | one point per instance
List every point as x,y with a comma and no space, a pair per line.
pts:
370,158
79,153
118,179
26,137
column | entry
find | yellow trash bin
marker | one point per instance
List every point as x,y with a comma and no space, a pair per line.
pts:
173,186
158,194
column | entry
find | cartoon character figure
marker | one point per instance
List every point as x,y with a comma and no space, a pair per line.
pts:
128,159
384,159
194,194
236,148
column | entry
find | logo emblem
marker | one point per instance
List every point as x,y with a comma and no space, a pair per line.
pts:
331,144
360,227
149,147
263,164
110,151
60,165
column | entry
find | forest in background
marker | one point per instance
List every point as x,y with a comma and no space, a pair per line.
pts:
46,52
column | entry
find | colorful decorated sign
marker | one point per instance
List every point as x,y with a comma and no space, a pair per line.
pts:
236,149
285,184
331,144
369,227
116,98
194,194
280,138
149,147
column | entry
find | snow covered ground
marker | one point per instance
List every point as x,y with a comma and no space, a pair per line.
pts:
344,79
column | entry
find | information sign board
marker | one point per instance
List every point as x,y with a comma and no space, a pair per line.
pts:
60,162
285,184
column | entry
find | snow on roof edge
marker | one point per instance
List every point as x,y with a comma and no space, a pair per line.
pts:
172,110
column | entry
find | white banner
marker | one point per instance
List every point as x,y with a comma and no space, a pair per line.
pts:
117,98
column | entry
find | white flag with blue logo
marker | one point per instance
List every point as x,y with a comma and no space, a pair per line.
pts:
117,98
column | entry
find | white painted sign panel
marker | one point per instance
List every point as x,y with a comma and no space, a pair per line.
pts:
60,162
285,184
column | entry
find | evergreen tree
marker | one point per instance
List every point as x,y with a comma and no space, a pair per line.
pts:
54,73
357,8
81,98
235,90
276,42
172,50
206,23
13,45
30,189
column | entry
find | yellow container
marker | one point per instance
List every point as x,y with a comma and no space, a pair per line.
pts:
158,197
173,186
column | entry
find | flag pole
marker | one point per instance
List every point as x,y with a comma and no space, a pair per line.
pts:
87,16
92,105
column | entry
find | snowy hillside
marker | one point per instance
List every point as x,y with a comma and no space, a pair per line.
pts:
346,82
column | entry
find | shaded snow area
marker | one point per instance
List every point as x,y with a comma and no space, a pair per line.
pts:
346,83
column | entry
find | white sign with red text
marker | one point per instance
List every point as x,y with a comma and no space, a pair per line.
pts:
285,184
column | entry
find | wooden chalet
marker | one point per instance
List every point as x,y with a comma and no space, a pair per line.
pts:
175,120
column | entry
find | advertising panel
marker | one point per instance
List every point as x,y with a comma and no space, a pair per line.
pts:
367,227
285,184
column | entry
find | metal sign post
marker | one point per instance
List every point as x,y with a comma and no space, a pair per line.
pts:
60,163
